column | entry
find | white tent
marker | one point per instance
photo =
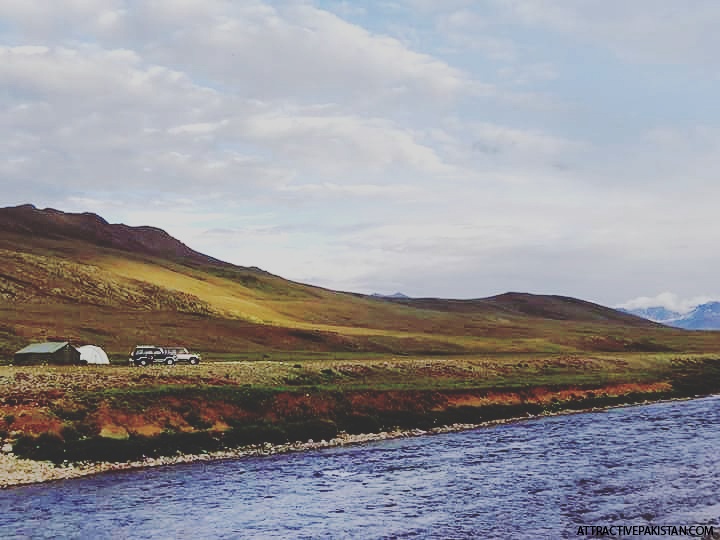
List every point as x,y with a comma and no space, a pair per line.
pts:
92,354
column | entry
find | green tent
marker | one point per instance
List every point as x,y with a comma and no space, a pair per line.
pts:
52,352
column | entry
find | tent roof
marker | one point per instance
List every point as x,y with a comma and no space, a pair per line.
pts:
48,347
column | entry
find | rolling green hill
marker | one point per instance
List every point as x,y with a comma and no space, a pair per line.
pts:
76,277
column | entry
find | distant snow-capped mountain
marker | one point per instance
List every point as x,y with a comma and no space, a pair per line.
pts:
657,314
397,295
703,317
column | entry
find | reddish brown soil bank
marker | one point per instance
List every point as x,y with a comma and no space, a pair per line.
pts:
126,425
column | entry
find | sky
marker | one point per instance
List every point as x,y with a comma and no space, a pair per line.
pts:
450,149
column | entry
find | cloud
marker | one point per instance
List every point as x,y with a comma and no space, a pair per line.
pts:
661,31
36,20
156,100
432,148
331,142
285,50
363,190
72,111
669,301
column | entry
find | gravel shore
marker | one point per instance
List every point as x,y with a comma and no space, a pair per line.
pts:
15,471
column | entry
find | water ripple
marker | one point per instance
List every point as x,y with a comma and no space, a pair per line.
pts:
535,479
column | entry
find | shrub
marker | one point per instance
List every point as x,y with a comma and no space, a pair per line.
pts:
314,428
87,429
242,435
137,447
70,433
360,423
195,420
72,412
698,379
464,414
305,379
405,420
44,447
168,444
103,449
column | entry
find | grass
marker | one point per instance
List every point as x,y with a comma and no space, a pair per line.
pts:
69,413
69,290
356,371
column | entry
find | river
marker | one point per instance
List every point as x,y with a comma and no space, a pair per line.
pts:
543,478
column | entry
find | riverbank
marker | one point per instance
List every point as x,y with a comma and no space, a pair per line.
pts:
68,422
541,478
15,471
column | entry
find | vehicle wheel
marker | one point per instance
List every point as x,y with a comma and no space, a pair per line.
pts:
169,361
193,361
142,362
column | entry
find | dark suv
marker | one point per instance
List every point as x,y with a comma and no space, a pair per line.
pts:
145,355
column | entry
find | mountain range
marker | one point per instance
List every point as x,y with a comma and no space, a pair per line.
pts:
703,317
393,295
75,277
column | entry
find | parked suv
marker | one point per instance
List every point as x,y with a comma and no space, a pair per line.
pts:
183,355
145,355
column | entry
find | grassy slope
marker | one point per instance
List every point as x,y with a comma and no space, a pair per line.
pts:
67,289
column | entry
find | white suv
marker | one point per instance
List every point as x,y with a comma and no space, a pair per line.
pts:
181,354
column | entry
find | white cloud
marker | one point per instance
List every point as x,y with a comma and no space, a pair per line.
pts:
363,190
436,161
292,50
77,107
198,128
669,301
662,31
39,20
334,143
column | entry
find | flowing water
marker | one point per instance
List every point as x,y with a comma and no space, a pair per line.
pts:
654,464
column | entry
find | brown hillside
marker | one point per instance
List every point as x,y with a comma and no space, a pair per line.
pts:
87,227
77,277
560,308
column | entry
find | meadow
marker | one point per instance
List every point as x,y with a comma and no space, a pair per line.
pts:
98,412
